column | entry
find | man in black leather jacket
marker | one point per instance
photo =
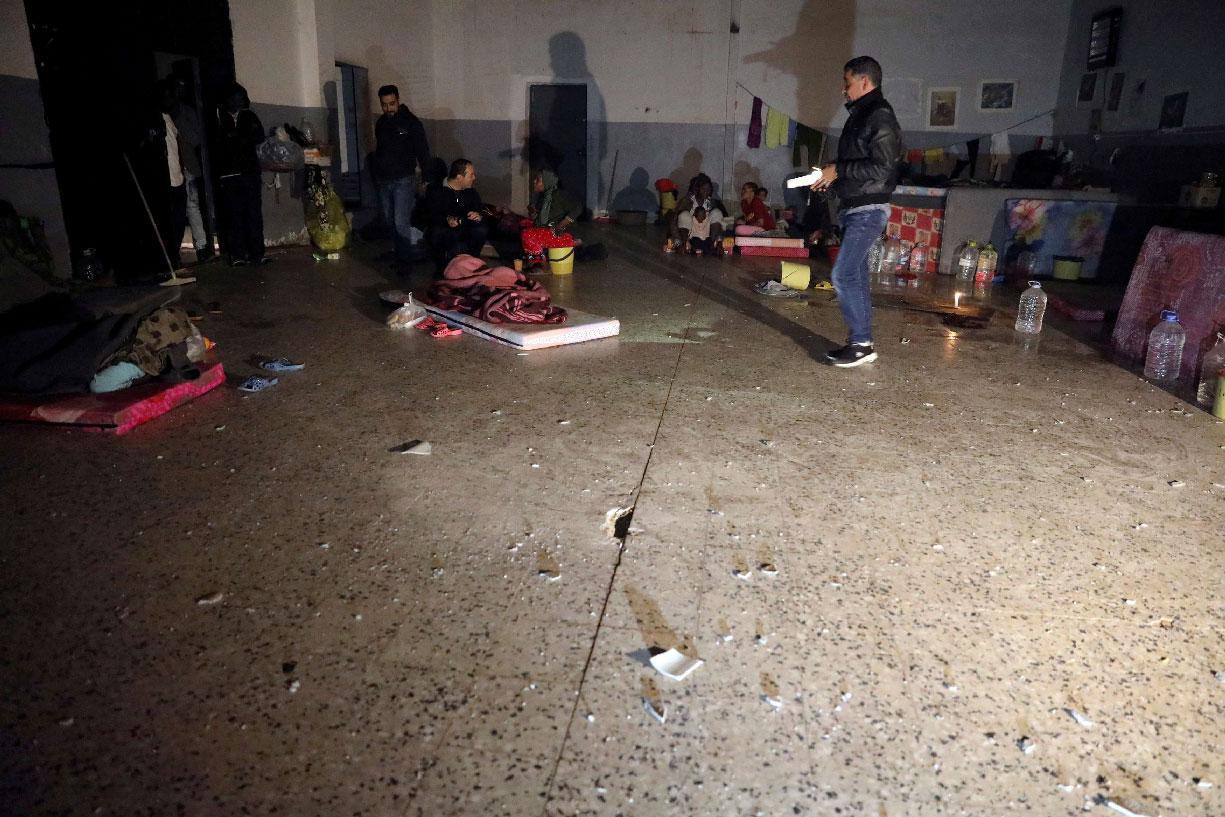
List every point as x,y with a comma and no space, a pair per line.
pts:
863,176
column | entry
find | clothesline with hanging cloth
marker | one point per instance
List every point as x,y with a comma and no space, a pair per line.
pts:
781,129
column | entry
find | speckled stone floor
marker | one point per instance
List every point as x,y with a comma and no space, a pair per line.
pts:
973,536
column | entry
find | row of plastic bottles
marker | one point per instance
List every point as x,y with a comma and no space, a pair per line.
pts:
892,256
1163,359
975,264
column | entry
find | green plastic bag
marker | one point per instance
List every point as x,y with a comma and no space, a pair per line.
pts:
325,215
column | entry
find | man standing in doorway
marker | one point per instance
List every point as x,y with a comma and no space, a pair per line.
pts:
864,175
457,218
400,145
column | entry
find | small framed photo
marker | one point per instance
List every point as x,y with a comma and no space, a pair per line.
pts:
997,95
1088,88
1173,110
942,107
1115,95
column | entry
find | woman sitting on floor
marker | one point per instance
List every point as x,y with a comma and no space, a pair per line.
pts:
701,194
551,212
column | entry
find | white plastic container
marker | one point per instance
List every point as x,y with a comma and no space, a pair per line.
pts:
1031,309
1165,344
1213,362
967,260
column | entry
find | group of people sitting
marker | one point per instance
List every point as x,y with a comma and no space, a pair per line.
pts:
444,216
695,227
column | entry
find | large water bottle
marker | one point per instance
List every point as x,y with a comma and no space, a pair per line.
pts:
1031,309
893,251
1165,349
875,254
1212,363
984,269
967,260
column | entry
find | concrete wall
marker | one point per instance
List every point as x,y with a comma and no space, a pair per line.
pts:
664,77
23,134
1164,48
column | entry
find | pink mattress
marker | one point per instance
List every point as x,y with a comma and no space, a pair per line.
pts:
776,252
766,241
117,411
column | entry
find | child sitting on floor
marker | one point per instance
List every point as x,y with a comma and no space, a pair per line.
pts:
755,215
699,233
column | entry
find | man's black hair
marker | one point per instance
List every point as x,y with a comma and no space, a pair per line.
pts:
457,168
391,90
865,67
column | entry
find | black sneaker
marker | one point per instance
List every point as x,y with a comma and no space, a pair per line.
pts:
853,355
833,354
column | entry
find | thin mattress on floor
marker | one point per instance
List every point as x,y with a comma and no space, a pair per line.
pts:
768,241
117,411
579,326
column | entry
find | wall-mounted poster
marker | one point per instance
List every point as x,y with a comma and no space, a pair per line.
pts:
1116,91
1088,87
942,107
1173,109
997,95
1104,38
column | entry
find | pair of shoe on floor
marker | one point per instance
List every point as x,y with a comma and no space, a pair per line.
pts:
258,383
853,354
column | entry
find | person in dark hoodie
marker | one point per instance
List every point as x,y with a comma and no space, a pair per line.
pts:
239,135
864,176
400,146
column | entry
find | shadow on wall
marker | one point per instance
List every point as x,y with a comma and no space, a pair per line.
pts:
691,165
820,45
637,195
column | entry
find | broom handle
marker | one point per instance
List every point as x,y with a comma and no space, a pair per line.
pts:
149,213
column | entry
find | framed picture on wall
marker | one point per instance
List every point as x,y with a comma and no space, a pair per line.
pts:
997,95
1088,88
1173,110
942,107
1104,38
1115,94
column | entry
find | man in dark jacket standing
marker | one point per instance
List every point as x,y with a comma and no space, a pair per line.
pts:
863,176
400,146
239,134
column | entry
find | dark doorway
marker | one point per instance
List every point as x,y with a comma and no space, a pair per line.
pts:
355,132
557,134
97,66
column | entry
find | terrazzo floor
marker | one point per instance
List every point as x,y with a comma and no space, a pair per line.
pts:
974,537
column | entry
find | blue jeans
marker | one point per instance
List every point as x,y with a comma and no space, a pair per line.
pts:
396,200
851,279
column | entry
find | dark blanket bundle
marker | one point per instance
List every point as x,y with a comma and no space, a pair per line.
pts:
494,294
57,343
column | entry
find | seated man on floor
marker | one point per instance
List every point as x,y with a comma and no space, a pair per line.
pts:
457,221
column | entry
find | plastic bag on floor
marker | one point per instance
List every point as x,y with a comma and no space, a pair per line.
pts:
409,315
325,215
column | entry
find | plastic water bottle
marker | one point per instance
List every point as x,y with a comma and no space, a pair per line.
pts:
984,269
875,254
893,252
1031,309
1212,363
1165,349
967,260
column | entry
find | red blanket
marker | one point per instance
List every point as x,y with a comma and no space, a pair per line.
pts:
494,294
